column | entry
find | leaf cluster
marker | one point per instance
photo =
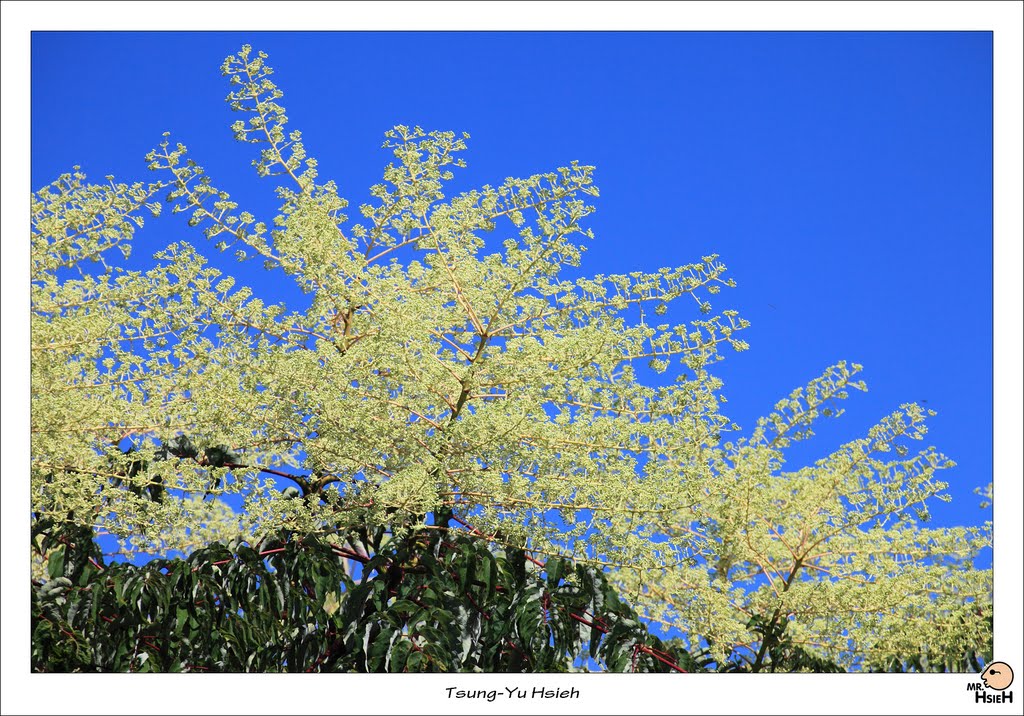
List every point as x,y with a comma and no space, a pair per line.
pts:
444,603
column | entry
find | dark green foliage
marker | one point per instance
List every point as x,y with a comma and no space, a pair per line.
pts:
925,660
440,601
778,653
180,447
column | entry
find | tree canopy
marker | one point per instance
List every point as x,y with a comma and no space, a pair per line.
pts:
448,375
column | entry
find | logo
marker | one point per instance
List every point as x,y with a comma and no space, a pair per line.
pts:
996,678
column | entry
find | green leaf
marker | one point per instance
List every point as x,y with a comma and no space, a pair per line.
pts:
55,563
400,654
488,575
377,657
555,567
404,606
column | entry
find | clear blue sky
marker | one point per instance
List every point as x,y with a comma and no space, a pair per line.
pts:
844,178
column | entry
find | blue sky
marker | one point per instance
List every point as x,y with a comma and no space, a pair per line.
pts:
844,178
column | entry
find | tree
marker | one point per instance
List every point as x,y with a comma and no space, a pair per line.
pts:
436,383
425,602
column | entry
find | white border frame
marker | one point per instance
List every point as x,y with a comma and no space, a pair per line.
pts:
601,694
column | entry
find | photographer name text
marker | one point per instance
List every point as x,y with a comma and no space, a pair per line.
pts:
511,692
